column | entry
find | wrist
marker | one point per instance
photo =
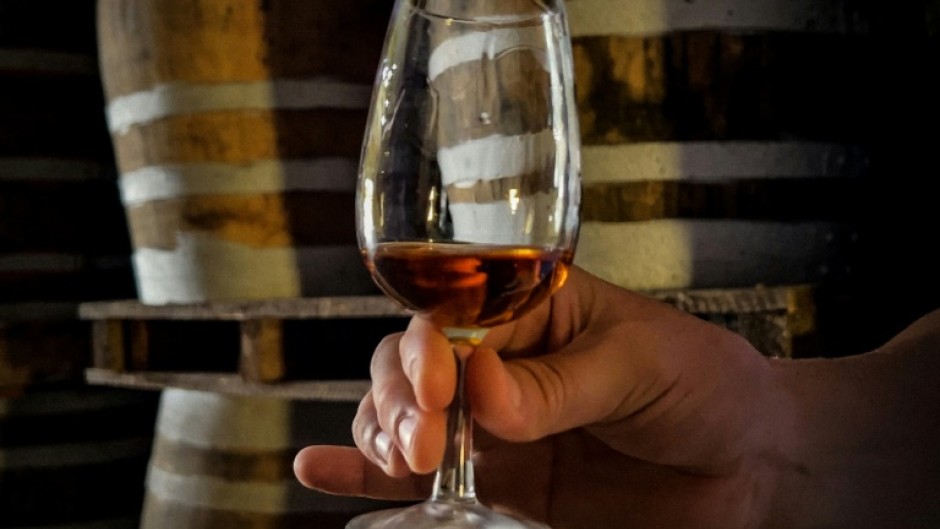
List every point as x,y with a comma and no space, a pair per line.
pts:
853,443
792,499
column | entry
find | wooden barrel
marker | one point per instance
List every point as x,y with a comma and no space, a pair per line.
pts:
227,461
498,125
74,457
486,109
724,141
63,236
237,127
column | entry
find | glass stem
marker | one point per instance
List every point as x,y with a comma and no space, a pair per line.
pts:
454,479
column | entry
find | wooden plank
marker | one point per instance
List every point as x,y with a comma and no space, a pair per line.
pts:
728,301
285,342
325,390
107,338
773,319
296,308
139,345
739,300
262,350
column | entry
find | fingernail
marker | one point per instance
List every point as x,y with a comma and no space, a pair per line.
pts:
412,369
406,432
383,446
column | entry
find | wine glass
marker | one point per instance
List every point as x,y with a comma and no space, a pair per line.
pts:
469,193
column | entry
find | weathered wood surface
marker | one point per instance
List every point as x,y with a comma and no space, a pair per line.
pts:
234,384
293,308
265,341
237,128
304,347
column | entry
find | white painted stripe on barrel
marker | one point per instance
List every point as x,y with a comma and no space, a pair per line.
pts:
210,492
653,17
475,45
665,254
719,161
265,176
212,420
41,262
30,169
48,62
73,454
174,99
504,221
495,157
203,268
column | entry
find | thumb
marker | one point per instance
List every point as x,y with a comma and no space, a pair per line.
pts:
530,398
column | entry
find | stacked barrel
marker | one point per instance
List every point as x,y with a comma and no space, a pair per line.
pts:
724,142
70,455
502,133
226,461
237,127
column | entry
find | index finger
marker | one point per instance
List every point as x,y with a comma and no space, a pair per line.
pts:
427,359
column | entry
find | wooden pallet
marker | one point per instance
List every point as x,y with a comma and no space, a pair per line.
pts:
779,321
311,348
320,348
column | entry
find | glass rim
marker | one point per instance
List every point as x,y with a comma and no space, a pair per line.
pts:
545,9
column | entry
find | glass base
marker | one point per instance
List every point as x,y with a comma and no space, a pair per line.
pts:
440,515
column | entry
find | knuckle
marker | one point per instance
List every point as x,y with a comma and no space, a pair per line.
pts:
388,345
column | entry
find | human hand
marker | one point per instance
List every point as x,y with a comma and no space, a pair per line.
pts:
601,407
